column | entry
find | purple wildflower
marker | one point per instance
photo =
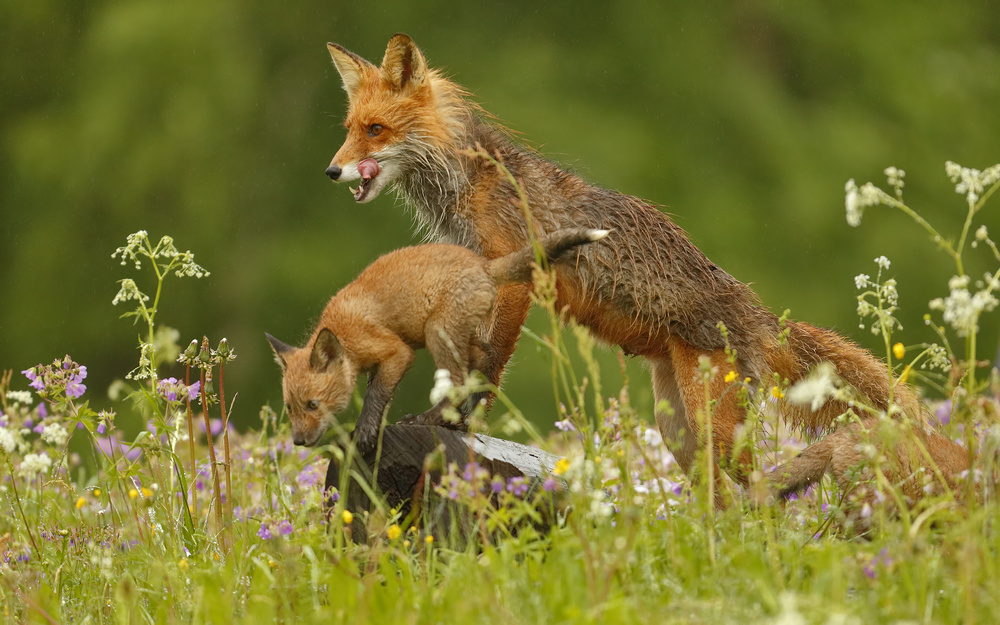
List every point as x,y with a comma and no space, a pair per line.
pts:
113,447
101,428
565,425
264,532
551,485
517,486
74,387
285,528
42,411
497,485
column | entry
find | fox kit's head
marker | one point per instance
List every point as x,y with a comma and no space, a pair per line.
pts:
397,114
317,384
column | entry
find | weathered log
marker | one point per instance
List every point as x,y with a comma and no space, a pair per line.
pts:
411,462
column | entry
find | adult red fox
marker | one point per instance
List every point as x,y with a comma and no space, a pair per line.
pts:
648,289
428,295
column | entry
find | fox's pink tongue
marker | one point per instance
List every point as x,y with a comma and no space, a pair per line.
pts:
368,168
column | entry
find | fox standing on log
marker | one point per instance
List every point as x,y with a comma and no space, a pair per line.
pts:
427,295
647,288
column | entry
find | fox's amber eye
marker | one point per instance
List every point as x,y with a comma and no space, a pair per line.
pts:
374,130
312,405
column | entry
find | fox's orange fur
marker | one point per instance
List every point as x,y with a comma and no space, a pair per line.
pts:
650,290
434,295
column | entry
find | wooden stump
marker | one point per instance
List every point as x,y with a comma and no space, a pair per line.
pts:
412,460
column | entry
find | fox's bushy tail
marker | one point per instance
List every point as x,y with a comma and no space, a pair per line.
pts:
516,267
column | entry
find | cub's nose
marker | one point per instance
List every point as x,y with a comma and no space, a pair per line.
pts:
298,439
333,171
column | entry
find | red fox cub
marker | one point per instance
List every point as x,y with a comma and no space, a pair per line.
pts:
432,295
649,290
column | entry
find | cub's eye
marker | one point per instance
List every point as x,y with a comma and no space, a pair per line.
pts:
288,409
374,130
312,405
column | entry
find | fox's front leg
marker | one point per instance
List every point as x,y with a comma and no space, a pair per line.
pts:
382,383
502,329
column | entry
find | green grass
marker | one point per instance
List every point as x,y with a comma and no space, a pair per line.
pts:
148,532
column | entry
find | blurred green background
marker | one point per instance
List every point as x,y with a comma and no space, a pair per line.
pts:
214,122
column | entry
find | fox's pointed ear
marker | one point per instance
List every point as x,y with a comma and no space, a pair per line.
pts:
325,350
403,64
351,67
281,350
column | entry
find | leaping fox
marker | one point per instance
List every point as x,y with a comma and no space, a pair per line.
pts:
648,289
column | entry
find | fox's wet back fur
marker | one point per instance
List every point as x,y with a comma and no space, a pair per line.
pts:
647,289
434,295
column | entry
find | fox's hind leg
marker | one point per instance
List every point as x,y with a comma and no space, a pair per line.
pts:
679,379
500,332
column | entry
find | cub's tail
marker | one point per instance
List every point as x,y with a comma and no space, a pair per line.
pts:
516,267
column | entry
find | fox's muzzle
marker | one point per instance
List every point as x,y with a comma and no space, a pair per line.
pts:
333,171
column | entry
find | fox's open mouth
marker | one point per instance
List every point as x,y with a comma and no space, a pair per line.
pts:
368,169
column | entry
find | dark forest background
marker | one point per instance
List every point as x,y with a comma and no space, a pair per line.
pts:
214,121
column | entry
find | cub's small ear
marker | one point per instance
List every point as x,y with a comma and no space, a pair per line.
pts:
403,65
325,350
281,350
351,67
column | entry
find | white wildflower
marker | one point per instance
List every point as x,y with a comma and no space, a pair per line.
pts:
55,434
882,262
895,177
133,245
961,309
442,384
8,439
33,464
971,182
816,389
857,199
852,204
20,397
129,291
861,281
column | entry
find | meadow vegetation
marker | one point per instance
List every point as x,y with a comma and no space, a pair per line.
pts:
160,511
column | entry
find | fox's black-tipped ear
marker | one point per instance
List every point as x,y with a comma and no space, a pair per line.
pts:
351,67
403,64
281,350
325,350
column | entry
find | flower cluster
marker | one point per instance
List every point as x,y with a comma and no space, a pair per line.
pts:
858,199
878,299
961,309
971,182
175,391
62,377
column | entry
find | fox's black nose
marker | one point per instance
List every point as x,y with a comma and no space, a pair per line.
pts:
298,439
333,171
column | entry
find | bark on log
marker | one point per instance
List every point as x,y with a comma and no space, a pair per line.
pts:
412,460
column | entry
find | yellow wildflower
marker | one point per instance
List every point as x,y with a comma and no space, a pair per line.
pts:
97,492
347,516
562,465
132,493
80,503
183,564
898,351
730,377
146,492
393,532
777,393
429,539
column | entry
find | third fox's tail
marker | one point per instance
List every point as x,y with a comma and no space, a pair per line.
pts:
516,267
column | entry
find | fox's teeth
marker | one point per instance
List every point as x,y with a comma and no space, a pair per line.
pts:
355,190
